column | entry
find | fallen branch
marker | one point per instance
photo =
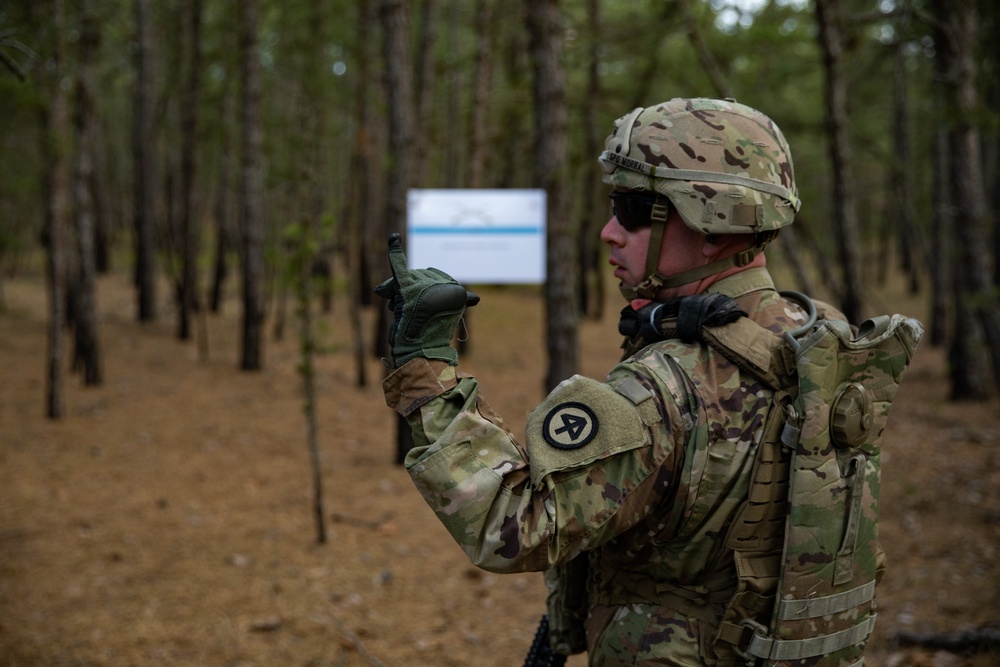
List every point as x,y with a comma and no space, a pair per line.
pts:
357,645
336,517
970,641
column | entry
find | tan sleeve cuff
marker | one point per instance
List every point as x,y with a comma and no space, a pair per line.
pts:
417,382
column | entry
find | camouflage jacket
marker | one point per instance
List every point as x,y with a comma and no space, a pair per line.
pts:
643,471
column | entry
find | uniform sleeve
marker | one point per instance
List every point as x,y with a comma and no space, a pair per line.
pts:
597,459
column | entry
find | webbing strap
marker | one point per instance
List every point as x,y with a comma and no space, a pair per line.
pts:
656,281
753,348
790,610
658,226
797,649
844,565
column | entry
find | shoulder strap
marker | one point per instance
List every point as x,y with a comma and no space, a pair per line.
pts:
755,350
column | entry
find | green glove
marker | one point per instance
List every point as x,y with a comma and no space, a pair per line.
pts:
427,304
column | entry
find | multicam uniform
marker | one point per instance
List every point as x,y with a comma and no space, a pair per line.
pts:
643,471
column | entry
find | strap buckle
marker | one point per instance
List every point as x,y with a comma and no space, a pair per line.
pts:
751,630
744,257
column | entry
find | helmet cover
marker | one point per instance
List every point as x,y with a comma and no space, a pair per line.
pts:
725,167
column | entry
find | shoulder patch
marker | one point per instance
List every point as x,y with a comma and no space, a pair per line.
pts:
580,422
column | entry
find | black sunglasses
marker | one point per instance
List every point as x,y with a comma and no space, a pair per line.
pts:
634,210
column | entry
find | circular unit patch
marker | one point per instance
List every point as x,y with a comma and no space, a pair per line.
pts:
569,426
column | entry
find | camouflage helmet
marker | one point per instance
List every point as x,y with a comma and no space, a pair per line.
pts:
724,166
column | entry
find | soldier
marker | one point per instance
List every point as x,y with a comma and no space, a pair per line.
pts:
638,477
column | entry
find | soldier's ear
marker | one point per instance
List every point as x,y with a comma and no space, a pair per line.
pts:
713,245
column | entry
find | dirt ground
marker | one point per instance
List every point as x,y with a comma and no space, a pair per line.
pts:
166,520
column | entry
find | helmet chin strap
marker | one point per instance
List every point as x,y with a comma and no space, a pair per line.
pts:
656,281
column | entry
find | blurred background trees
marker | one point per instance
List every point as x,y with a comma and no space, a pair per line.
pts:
178,140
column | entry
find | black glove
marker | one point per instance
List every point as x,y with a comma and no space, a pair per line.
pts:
427,304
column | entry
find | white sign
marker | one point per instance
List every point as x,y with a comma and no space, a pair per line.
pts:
478,236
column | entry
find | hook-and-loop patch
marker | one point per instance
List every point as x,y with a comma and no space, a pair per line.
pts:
582,421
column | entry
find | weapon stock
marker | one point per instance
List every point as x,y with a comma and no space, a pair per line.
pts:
540,654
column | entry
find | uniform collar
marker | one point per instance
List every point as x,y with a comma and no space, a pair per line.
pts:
744,282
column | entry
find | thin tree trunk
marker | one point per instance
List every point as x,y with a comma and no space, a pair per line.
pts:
424,80
989,25
395,27
142,148
305,284
102,207
481,84
357,206
89,43
977,326
454,159
252,209
968,354
482,81
595,211
904,216
941,259
845,220
56,138
513,144
313,255
705,56
821,261
87,344
561,294
941,255
190,226
788,241
224,237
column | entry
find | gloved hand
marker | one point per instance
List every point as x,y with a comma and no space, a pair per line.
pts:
427,304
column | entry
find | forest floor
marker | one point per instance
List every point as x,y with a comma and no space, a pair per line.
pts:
167,518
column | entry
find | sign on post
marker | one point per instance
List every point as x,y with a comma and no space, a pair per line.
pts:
478,236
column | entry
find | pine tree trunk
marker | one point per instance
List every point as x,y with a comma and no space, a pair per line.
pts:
190,228
395,27
595,210
903,216
941,240
482,81
788,241
977,327
87,351
357,207
142,149
705,56
561,292
424,79
223,206
252,191
56,142
845,218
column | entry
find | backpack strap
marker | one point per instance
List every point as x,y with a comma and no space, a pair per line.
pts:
755,350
